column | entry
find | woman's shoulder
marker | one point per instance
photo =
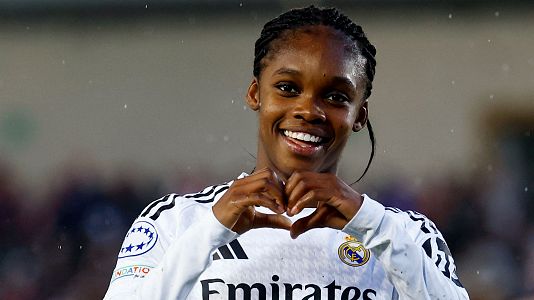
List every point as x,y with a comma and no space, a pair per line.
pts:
176,202
422,230
413,220
169,215
208,195
173,204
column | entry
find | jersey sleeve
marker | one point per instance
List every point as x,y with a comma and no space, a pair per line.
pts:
164,252
410,249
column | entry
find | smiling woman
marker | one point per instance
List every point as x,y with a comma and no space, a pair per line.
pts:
304,92
313,71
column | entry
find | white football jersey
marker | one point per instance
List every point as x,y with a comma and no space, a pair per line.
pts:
177,249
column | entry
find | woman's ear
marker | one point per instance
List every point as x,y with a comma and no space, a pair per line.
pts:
361,118
253,95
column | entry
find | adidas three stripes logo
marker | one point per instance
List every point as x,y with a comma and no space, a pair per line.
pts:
231,251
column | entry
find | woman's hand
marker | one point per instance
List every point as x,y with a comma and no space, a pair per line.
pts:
236,209
336,203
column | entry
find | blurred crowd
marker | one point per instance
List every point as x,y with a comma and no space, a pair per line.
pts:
64,245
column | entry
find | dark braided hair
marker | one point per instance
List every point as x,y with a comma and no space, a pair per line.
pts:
309,16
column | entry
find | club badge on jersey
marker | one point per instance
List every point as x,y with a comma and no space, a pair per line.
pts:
353,253
140,239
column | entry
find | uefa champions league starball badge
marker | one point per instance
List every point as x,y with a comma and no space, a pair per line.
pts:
353,253
140,239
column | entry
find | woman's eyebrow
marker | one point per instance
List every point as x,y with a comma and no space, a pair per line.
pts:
286,71
336,79
344,81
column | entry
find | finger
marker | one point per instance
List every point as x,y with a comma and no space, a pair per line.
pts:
259,171
271,221
262,173
312,179
279,179
274,178
324,216
244,222
267,187
252,186
306,223
259,199
273,189
292,182
301,183
279,186
311,199
243,194
246,192
297,191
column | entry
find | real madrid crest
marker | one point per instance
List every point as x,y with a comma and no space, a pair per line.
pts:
353,253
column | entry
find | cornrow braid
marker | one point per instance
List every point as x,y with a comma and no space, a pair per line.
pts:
309,16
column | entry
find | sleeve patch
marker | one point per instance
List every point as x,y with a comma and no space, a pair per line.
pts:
442,257
140,239
133,270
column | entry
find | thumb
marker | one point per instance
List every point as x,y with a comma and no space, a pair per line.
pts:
262,220
304,224
324,216
321,217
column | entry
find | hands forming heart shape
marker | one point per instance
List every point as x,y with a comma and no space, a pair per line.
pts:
334,201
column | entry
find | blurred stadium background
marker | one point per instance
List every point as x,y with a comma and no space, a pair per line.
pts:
108,105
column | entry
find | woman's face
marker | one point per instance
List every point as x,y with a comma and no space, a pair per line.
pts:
310,98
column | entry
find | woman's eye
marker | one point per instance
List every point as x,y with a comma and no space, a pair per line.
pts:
287,88
335,97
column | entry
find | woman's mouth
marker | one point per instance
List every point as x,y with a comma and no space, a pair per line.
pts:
302,136
303,143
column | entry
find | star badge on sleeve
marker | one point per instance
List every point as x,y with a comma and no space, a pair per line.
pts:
140,239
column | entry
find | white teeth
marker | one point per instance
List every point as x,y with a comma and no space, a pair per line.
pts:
302,136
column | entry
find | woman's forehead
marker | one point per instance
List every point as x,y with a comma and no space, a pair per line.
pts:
313,34
317,48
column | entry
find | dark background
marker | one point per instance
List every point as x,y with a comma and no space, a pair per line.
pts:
106,106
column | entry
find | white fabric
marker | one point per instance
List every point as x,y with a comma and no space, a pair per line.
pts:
180,264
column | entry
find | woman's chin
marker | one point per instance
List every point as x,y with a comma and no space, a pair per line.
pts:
286,169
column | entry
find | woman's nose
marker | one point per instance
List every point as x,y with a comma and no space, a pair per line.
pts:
310,110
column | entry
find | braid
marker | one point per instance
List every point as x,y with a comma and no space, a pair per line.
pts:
312,15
